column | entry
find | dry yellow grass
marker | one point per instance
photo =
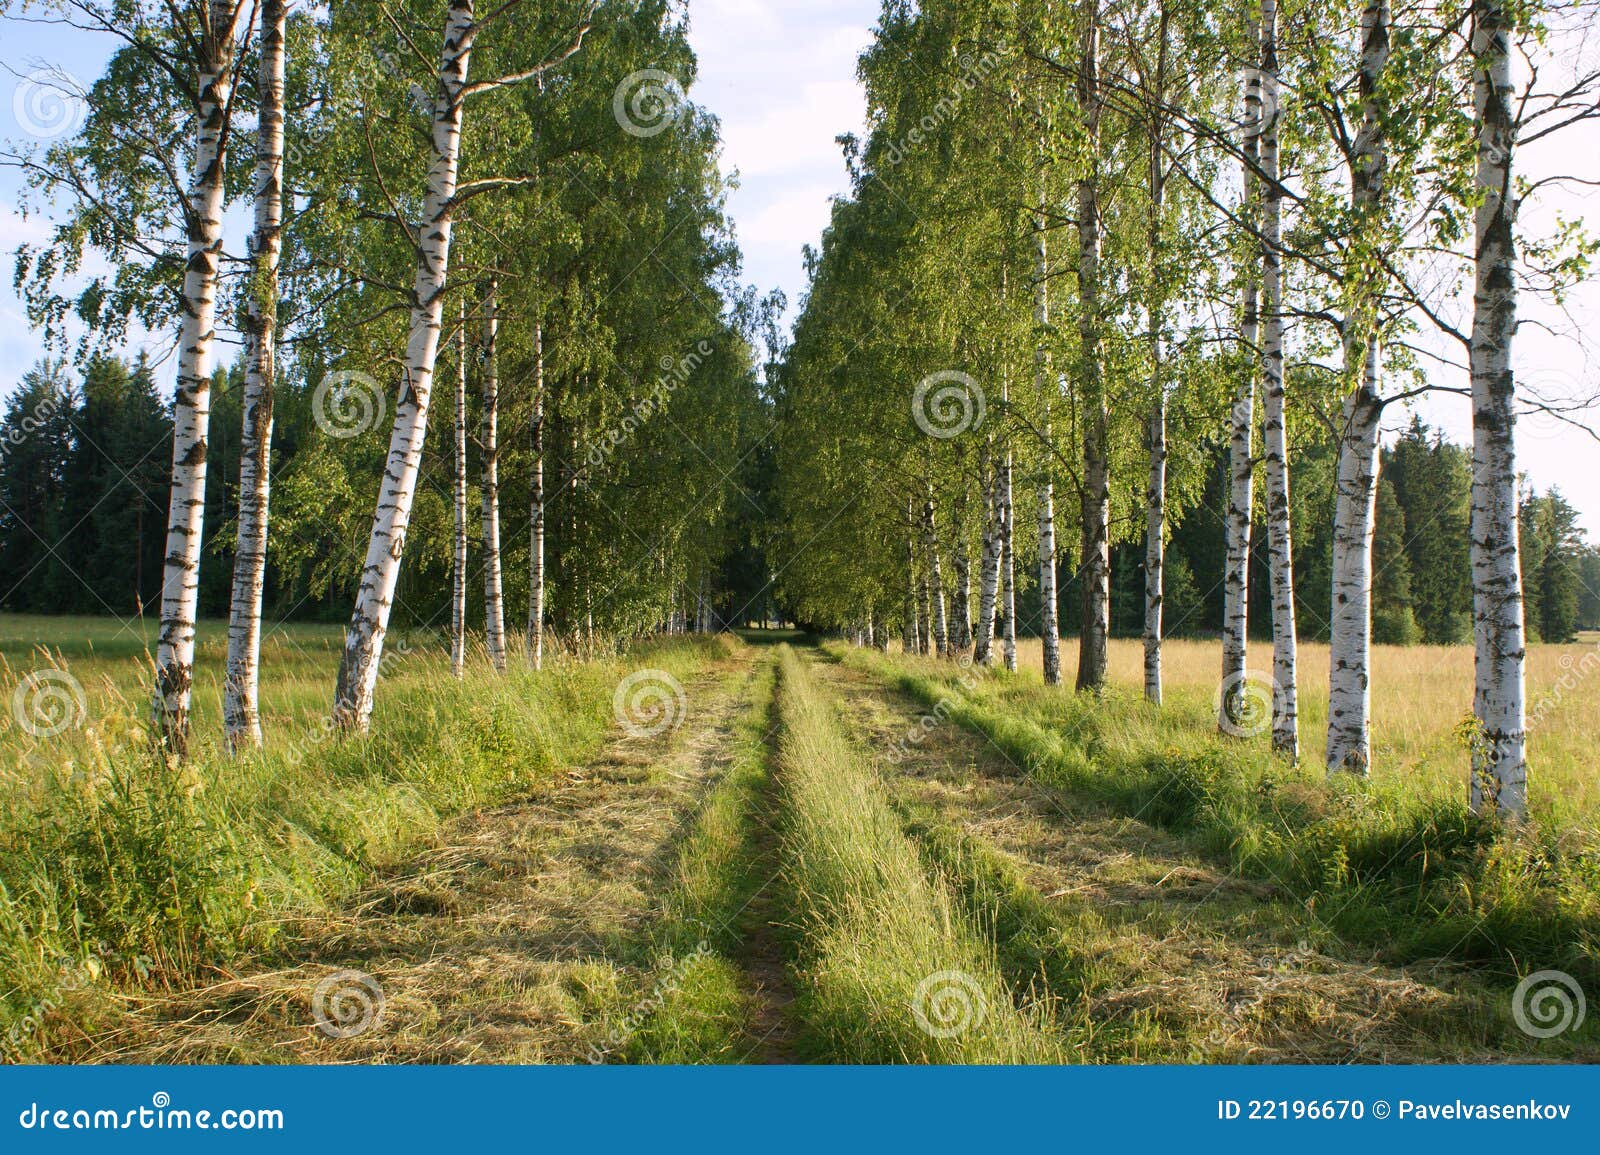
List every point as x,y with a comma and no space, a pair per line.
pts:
1419,695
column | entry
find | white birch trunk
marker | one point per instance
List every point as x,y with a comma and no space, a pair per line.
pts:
908,630
1241,448
961,562
1155,495
191,408
1094,637
912,636
989,571
936,609
1008,567
241,715
1350,637
1049,627
1350,627
1274,430
1499,767
924,616
536,514
493,588
358,668
458,572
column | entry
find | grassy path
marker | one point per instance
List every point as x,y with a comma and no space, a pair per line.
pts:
816,866
505,942
718,990
889,967
763,954
1150,951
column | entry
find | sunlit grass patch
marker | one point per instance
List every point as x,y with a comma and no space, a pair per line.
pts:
120,870
1391,862
891,967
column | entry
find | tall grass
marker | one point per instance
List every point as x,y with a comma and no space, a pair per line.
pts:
891,967
1407,869
118,870
698,1006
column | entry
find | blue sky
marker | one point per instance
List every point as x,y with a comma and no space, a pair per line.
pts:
781,77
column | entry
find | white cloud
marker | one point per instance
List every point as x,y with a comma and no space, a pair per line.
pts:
781,78
795,217
794,136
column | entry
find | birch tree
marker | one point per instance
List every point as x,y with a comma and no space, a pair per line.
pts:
961,563
1241,440
1044,385
1095,557
989,563
1285,704
1155,314
358,668
489,443
162,111
1499,763
458,569
536,574
241,717
1350,642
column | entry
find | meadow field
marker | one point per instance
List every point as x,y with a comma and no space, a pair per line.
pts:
801,852
1420,695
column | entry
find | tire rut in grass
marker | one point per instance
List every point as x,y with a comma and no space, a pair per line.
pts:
717,989
762,954
495,945
1154,952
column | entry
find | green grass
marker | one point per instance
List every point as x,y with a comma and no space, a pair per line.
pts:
1034,948
697,1008
879,938
118,871
1408,870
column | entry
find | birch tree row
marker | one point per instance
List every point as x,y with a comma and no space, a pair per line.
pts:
522,202
1090,248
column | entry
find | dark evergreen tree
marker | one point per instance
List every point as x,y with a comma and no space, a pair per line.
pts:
35,447
1589,589
1552,559
1394,619
1432,482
